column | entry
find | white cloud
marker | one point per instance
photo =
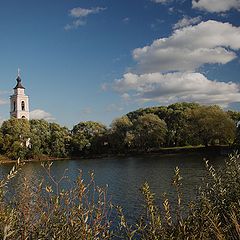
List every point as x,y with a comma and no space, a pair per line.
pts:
161,1
216,5
84,12
75,24
167,69
80,14
174,87
190,47
187,21
41,114
126,20
126,97
104,87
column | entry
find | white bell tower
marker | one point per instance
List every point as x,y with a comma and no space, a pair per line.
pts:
19,101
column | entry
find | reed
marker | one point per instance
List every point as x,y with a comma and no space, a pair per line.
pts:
46,210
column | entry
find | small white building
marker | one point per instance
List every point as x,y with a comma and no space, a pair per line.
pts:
19,102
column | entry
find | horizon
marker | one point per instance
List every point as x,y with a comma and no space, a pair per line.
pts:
91,60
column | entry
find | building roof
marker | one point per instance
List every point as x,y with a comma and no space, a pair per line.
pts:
19,84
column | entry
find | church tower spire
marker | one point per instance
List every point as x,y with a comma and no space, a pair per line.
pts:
19,101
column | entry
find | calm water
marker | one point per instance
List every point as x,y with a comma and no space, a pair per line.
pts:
124,176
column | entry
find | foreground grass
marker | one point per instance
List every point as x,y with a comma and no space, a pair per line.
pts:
44,210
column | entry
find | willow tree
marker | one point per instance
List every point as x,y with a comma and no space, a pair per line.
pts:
121,136
149,132
210,124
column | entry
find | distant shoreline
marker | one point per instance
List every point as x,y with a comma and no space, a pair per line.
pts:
221,150
47,159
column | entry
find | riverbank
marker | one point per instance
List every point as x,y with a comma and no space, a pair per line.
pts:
5,160
216,150
219,149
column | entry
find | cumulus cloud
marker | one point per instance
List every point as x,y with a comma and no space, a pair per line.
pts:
80,14
41,114
216,5
166,70
190,47
186,21
173,87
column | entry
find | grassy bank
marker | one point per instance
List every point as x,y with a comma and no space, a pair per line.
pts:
218,149
44,210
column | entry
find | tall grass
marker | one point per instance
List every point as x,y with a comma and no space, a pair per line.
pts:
48,211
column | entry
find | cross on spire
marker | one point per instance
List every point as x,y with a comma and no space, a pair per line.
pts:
18,72
19,84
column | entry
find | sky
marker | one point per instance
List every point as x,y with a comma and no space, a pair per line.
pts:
99,59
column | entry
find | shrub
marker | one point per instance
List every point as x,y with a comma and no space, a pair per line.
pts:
48,211
215,214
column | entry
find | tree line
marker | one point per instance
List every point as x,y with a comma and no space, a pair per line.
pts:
147,129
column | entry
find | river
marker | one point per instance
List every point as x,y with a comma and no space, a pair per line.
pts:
125,175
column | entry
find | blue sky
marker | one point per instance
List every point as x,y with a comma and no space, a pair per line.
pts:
99,59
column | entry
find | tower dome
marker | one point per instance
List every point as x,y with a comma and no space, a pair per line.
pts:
19,83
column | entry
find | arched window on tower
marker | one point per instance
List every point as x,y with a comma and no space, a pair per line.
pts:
23,106
14,106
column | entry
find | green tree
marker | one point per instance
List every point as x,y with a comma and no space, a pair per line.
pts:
59,140
88,137
149,132
211,124
15,134
40,138
175,117
121,136
234,115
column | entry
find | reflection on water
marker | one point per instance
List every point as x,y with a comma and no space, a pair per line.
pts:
124,176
